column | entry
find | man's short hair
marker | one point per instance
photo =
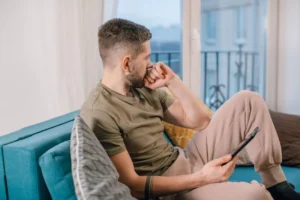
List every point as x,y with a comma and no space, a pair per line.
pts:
121,33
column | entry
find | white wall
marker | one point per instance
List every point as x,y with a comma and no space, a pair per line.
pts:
288,94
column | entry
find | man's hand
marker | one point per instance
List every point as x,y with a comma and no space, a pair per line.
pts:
159,76
214,172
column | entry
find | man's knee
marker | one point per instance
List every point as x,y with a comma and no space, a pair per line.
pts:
250,96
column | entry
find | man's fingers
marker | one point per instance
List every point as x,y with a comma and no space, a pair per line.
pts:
231,170
156,73
231,164
149,79
236,158
148,84
222,160
159,67
163,69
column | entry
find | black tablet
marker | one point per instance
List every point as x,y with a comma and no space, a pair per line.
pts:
243,144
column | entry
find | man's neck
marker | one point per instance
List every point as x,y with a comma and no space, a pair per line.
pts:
116,84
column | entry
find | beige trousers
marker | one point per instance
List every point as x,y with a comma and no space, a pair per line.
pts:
237,118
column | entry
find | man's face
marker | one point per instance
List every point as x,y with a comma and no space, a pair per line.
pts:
139,67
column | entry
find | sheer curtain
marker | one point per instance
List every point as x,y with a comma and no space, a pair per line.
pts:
272,54
283,59
49,58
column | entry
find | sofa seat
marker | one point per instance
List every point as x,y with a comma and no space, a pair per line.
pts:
247,174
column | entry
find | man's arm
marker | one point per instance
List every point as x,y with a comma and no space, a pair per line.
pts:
108,133
186,111
162,185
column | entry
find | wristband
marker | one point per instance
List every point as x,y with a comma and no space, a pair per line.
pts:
147,188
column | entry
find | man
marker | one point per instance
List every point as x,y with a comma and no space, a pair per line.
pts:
126,110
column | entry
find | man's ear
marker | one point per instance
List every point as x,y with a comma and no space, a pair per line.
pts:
125,64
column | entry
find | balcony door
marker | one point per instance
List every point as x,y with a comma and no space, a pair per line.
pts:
232,49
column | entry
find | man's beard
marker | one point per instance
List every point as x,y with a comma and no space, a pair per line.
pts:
135,80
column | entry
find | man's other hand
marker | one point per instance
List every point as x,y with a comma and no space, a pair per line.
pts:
214,172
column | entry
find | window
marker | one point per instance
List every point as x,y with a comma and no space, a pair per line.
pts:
211,27
241,25
236,59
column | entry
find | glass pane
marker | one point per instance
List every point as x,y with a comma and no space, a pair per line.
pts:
241,23
232,49
211,25
164,23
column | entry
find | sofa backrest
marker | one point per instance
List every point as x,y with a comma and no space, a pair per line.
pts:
19,153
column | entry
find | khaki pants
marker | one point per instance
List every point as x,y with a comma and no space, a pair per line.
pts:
229,126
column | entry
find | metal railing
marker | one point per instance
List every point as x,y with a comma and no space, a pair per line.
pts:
232,71
225,72
171,58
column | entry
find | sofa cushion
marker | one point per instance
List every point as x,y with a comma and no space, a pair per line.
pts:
23,173
56,168
24,133
288,129
94,175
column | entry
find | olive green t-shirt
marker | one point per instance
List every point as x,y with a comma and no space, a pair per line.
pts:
133,124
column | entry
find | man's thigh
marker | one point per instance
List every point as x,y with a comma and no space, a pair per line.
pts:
228,191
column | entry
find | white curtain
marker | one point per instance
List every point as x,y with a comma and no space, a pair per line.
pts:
49,58
283,59
272,54
191,47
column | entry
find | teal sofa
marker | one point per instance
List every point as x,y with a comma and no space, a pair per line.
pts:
35,163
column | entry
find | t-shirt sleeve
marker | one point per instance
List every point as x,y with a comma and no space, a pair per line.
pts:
107,131
165,99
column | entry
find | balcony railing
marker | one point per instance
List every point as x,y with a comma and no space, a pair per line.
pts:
171,58
225,72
